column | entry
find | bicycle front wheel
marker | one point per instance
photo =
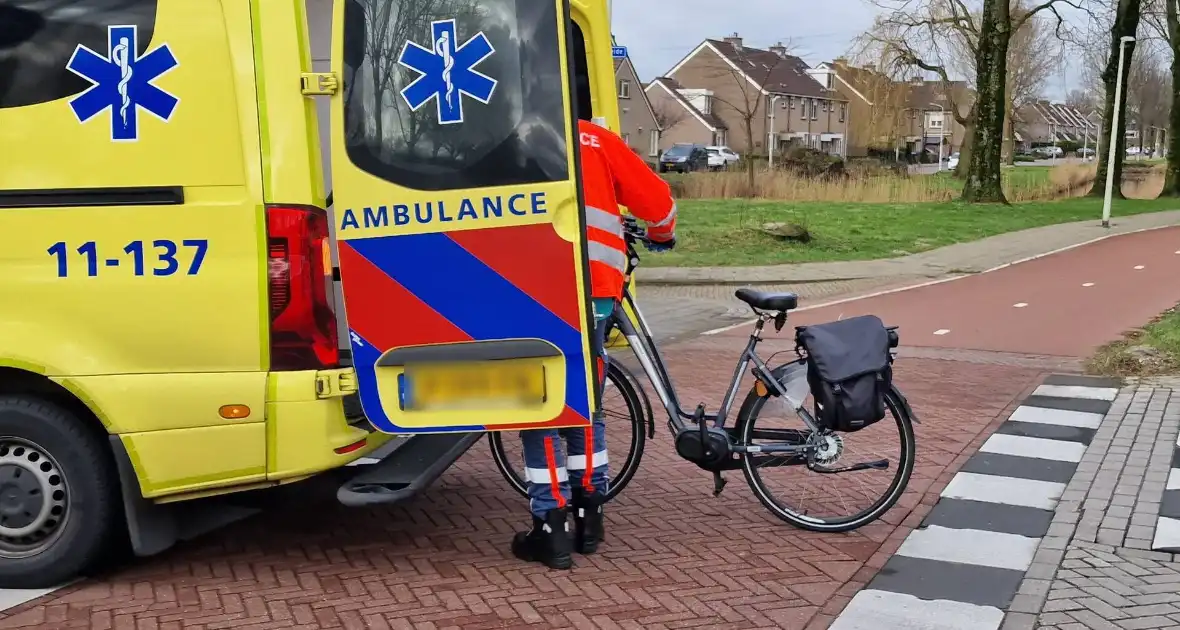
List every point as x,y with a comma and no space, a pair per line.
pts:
626,418
853,478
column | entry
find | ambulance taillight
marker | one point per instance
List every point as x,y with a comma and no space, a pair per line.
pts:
302,324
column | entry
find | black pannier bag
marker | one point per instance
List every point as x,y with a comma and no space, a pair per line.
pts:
848,370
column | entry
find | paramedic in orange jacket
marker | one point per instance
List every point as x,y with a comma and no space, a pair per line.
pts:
612,175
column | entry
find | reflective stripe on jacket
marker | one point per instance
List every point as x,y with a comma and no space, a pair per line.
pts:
613,175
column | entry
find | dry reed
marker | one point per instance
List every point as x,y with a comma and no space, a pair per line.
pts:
1065,180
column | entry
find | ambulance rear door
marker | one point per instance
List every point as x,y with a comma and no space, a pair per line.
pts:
458,214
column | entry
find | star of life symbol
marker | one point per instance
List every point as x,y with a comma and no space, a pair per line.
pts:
122,82
447,72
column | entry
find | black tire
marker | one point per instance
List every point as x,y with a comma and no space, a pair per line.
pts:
58,468
897,407
638,413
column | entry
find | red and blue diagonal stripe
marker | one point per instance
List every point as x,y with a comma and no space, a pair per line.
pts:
497,283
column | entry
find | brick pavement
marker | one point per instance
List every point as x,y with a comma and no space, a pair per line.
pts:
1100,570
1100,459
441,561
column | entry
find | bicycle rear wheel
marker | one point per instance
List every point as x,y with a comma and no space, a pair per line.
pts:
801,500
627,417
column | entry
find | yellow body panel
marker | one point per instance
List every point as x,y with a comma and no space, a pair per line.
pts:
155,357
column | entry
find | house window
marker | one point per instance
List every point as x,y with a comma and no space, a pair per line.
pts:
803,109
936,123
843,108
653,148
624,89
707,106
791,101
814,110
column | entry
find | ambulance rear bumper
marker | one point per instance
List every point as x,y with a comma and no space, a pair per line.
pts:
409,465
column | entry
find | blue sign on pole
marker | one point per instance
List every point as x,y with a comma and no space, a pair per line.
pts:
618,52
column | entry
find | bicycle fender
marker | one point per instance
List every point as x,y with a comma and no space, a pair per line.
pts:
905,404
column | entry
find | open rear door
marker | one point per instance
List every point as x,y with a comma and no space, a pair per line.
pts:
458,214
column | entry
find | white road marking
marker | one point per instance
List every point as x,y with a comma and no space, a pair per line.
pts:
1087,284
1059,417
1077,391
1173,479
1020,305
877,610
1138,266
13,597
1167,534
942,331
1006,490
1039,448
970,546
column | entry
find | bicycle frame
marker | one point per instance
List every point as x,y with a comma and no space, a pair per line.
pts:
645,350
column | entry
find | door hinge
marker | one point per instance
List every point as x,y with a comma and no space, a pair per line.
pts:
319,83
335,383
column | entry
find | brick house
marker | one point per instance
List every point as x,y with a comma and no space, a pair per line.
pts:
928,120
637,120
773,90
1044,123
685,116
875,105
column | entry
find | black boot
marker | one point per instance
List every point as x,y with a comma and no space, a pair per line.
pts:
548,542
588,520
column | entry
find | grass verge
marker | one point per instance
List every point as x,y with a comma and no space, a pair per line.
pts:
1153,350
728,232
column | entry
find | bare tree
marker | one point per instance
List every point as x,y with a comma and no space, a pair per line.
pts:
1033,54
1125,23
741,82
927,34
1165,20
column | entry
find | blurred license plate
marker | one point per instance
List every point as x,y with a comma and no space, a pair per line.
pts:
472,386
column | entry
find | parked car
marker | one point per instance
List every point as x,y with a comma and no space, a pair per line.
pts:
1049,152
684,158
953,161
1085,153
721,157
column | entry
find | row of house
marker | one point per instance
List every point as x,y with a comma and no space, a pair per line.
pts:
758,100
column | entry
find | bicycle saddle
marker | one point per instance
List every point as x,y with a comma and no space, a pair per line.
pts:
768,301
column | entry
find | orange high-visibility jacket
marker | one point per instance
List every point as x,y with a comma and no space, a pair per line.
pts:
613,175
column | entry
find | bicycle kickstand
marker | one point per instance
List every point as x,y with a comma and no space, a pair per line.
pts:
718,483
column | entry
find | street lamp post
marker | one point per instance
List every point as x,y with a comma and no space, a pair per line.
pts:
770,136
1113,139
941,132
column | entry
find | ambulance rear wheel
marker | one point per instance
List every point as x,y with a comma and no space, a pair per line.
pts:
627,417
59,499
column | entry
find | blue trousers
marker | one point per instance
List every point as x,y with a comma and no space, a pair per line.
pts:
549,469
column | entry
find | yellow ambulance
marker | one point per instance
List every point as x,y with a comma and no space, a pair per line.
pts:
170,325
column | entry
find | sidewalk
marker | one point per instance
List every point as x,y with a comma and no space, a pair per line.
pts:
970,257
1065,519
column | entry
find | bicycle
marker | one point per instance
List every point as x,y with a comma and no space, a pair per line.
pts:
705,440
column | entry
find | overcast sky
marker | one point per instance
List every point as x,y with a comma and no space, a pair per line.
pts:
659,33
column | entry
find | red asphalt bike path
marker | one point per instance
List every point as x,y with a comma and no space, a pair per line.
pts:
1063,304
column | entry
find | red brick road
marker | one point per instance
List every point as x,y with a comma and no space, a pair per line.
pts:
676,557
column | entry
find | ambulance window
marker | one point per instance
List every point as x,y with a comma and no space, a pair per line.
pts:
581,74
448,132
38,37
